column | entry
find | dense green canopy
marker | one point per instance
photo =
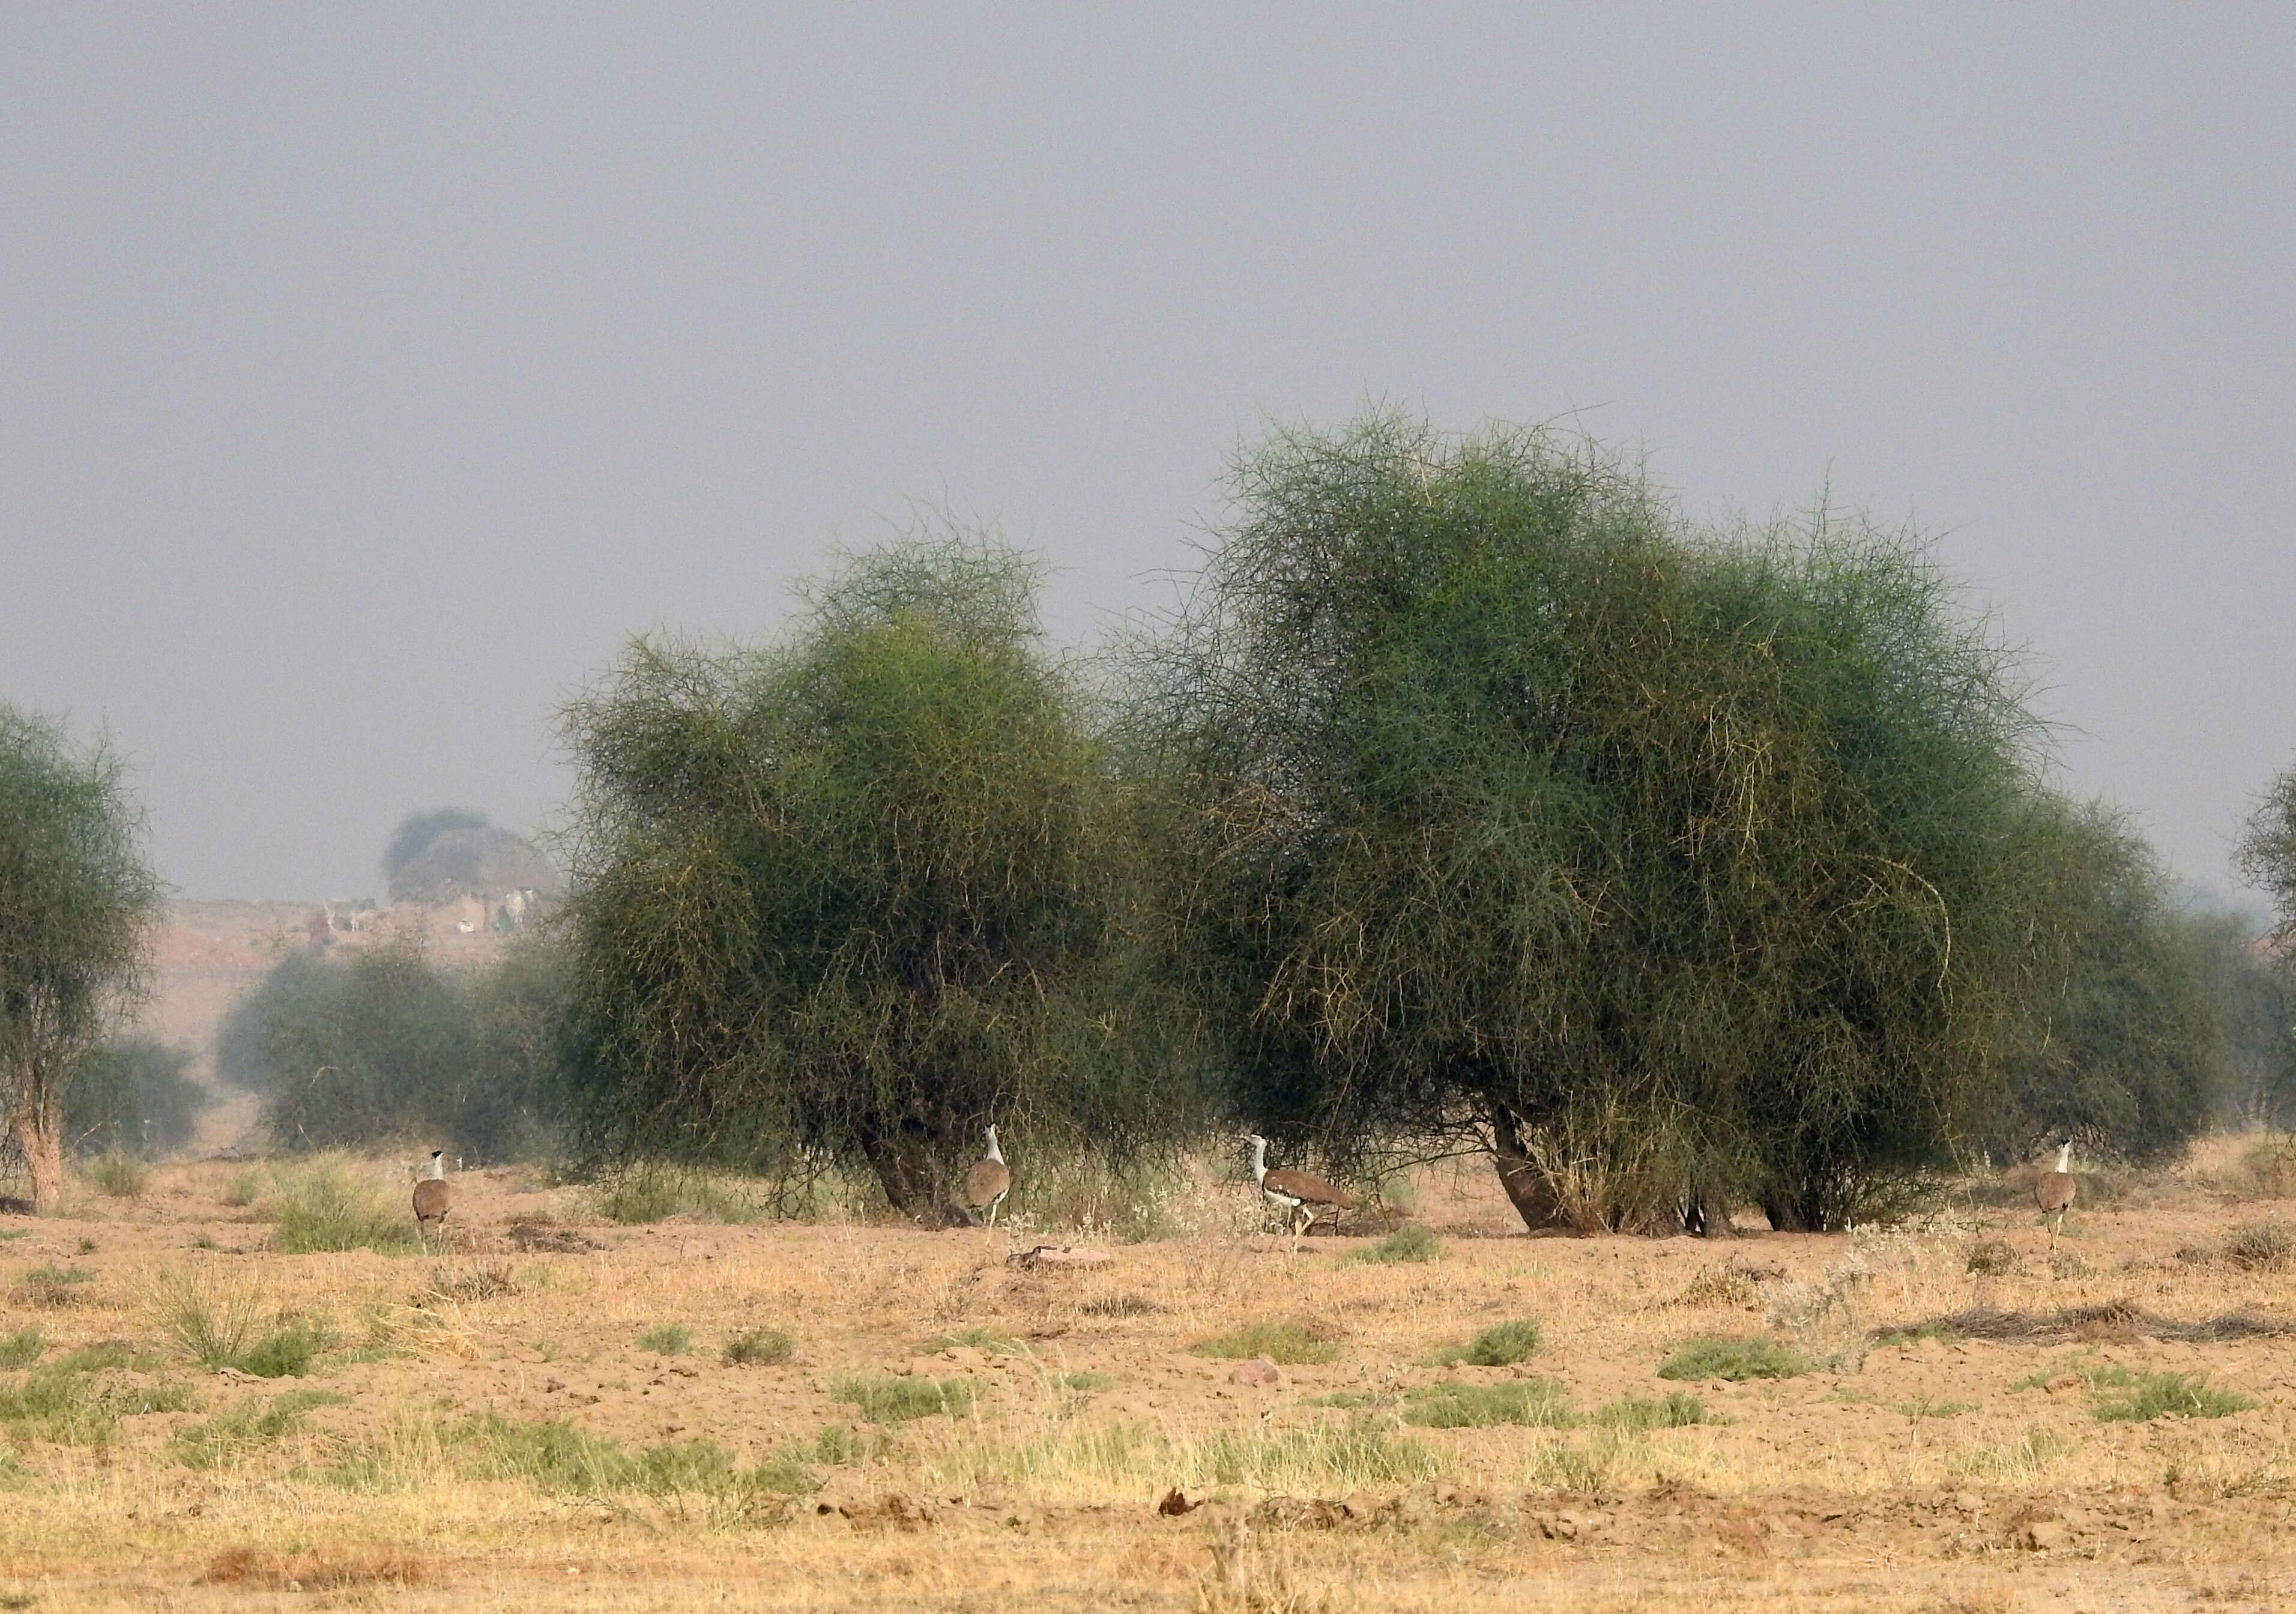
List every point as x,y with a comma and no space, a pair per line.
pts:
852,898
1684,866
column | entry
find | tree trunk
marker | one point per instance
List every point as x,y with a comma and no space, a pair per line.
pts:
36,1118
1527,1187
1707,1214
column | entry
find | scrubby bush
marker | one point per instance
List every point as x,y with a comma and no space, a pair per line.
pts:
351,1054
1713,1358
132,1096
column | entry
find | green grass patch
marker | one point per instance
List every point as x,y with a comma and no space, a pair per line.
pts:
1413,1241
1502,1344
841,1445
988,1341
108,1356
1714,1356
1536,1403
20,1349
220,1324
759,1347
323,1207
116,1174
70,1405
560,1459
230,1437
2147,1396
52,1286
1085,1383
654,1193
1928,1407
1283,1340
666,1340
1330,1459
885,1398
1639,1414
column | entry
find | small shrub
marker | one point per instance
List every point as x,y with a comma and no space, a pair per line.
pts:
1635,1414
2258,1246
2268,1169
1712,1356
666,1340
1736,1282
1992,1258
1085,1383
285,1353
1412,1242
230,1436
759,1348
485,1281
87,1247
1287,1341
838,1445
2066,1264
67,1402
2148,1396
243,1188
1586,1467
52,1286
323,1210
20,1349
1537,1403
1502,1345
882,1398
117,1173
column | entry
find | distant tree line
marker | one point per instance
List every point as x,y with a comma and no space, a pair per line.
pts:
1473,799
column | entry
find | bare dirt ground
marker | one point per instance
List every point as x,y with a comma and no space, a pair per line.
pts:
458,1454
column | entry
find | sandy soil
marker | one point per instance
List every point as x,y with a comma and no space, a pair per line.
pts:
1942,1472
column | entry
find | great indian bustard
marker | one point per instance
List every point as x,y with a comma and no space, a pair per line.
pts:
1297,1194
988,1183
2054,1191
432,1198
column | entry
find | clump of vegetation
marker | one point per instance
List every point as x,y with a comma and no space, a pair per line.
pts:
1926,1406
1284,1341
1736,1282
650,1193
1678,1409
322,1208
117,1173
1991,1258
666,1340
886,1398
132,1099
230,1437
2140,1397
1086,1383
2267,1170
1327,1459
1502,1345
1120,1305
841,1445
20,1349
220,1324
1538,1403
759,1348
2258,1246
53,1287
558,1458
1412,1242
2018,1462
1714,1356
988,1341
76,1400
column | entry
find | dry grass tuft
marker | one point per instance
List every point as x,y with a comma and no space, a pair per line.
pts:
257,1569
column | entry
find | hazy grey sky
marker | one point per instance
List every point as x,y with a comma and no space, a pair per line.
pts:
369,373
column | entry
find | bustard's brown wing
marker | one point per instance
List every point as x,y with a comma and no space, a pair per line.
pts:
431,1200
1307,1190
2054,1191
986,1182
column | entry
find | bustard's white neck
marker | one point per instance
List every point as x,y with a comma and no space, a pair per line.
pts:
995,1153
2065,1155
1260,1160
436,1172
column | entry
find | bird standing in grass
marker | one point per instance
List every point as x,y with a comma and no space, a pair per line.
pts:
1297,1194
2054,1191
432,1198
988,1183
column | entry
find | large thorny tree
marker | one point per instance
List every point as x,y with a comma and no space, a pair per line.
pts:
76,901
852,899
1674,868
